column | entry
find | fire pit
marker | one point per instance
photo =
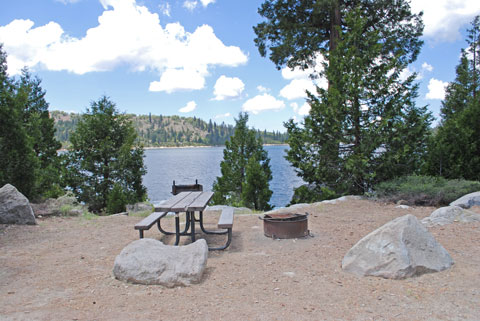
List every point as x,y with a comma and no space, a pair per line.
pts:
285,226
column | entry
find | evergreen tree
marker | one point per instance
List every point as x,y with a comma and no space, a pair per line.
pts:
358,130
17,160
104,153
245,170
454,152
41,129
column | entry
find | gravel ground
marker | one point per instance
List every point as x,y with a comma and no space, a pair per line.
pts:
61,269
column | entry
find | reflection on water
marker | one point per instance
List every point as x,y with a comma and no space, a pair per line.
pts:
184,165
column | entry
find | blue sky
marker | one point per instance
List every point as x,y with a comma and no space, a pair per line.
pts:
189,57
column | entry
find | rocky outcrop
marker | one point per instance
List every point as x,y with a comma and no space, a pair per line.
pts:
399,249
467,201
64,205
449,215
148,261
140,207
15,207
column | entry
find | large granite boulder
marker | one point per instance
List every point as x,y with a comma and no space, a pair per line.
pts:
15,207
148,261
64,205
468,200
450,214
399,249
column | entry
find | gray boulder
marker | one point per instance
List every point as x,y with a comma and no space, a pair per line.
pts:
140,207
15,207
450,214
64,205
468,200
148,261
399,249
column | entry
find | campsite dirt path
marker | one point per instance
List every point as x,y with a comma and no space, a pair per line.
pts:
61,269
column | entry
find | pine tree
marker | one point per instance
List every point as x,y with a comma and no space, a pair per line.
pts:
245,170
454,152
104,153
41,129
358,129
17,160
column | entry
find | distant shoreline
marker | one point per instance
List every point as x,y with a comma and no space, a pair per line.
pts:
175,147
164,147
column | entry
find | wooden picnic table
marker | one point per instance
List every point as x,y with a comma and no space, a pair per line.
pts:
188,203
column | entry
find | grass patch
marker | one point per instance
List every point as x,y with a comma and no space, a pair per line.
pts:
424,190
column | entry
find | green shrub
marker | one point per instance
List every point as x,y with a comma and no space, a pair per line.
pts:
312,194
424,190
116,200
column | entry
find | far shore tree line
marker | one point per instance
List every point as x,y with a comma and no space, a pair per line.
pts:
362,130
168,131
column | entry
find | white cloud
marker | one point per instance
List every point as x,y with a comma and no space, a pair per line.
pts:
261,103
165,9
206,2
303,110
191,105
223,116
227,87
300,80
297,89
444,18
427,67
178,79
190,5
262,89
127,34
436,89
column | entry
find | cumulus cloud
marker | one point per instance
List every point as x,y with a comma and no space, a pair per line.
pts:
303,110
444,18
262,89
261,103
142,44
190,5
206,2
427,67
300,81
191,105
436,89
297,89
228,88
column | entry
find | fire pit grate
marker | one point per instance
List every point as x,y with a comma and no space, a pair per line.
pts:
285,226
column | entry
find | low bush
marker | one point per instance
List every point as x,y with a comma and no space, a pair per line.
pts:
116,200
311,194
424,190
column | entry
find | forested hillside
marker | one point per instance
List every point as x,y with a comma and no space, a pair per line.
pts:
158,130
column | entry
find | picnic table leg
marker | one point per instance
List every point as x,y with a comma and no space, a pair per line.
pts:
177,229
187,225
229,240
192,218
207,231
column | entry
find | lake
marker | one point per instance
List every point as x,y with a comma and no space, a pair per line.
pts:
184,165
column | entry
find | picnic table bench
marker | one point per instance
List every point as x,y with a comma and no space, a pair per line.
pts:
188,202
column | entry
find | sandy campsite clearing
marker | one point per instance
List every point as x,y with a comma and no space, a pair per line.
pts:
61,269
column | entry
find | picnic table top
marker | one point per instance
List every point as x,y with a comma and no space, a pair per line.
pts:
186,202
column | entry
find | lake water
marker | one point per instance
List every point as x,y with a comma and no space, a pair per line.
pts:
184,165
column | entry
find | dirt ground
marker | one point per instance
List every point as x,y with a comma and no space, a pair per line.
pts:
61,269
